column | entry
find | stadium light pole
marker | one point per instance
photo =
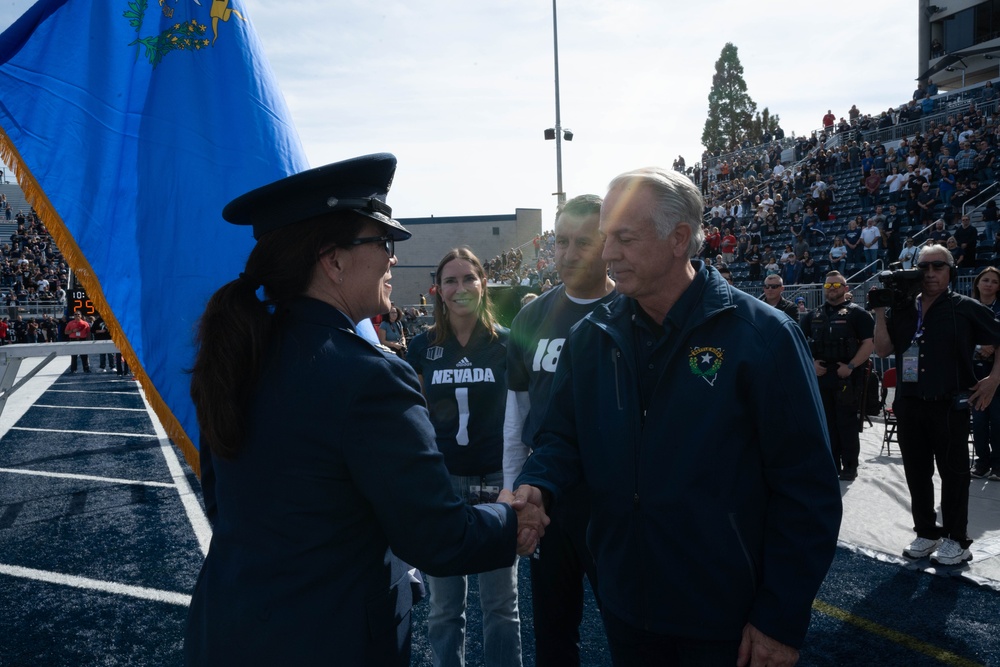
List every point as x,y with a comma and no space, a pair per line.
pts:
560,195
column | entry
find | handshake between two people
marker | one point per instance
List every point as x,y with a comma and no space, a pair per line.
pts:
531,517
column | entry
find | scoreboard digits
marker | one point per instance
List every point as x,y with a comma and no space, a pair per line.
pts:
79,302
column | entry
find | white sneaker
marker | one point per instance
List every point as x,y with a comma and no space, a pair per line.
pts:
951,553
921,547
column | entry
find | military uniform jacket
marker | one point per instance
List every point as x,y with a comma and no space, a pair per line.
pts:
339,483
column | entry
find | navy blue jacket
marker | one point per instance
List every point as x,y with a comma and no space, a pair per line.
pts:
339,483
720,506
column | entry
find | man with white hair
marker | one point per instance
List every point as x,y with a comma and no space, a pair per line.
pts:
933,339
712,530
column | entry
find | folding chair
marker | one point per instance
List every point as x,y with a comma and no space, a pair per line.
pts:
888,417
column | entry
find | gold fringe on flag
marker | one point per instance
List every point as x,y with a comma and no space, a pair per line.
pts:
85,273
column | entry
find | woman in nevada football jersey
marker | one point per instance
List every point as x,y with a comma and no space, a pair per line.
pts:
462,362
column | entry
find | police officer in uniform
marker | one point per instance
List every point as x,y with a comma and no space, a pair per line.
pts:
842,336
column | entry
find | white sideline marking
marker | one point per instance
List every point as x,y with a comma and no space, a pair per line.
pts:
57,430
96,585
83,407
92,478
88,391
199,522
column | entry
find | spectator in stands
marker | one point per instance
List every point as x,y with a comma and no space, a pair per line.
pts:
985,161
966,161
946,186
771,267
828,120
742,243
892,233
871,237
895,181
967,237
728,247
800,246
938,234
822,208
926,201
753,259
390,332
992,220
872,183
838,255
988,92
908,255
957,253
854,244
787,262
808,269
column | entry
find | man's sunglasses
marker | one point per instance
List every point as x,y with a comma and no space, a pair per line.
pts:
832,285
771,286
937,265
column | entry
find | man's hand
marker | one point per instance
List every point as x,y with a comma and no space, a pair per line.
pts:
759,650
982,393
819,367
843,372
531,518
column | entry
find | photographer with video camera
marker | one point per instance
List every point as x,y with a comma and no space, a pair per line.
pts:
841,338
933,333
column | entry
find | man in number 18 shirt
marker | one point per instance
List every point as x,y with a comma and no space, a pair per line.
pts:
537,336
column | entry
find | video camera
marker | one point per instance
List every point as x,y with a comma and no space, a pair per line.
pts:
900,287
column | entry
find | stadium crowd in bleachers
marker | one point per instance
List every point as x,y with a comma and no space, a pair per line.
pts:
799,207
33,279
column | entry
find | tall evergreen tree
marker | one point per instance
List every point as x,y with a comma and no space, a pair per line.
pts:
730,109
764,127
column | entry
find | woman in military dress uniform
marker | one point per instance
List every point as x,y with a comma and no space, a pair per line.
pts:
315,516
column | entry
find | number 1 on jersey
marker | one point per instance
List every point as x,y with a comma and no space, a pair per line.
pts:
462,399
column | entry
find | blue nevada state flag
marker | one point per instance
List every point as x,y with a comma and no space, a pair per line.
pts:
129,125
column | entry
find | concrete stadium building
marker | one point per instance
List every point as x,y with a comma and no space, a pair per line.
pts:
959,42
486,235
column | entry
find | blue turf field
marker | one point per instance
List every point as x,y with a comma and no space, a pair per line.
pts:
98,553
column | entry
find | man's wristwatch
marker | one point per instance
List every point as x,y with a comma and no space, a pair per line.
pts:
850,365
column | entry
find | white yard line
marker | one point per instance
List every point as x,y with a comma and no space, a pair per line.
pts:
59,430
199,522
96,585
92,478
84,407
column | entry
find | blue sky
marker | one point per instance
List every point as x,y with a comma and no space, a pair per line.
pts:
461,91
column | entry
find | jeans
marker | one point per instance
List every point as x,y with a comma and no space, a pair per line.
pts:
986,436
498,599
871,254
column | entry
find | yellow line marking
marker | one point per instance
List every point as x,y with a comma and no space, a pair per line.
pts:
912,643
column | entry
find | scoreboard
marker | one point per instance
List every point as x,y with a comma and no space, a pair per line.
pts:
79,302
